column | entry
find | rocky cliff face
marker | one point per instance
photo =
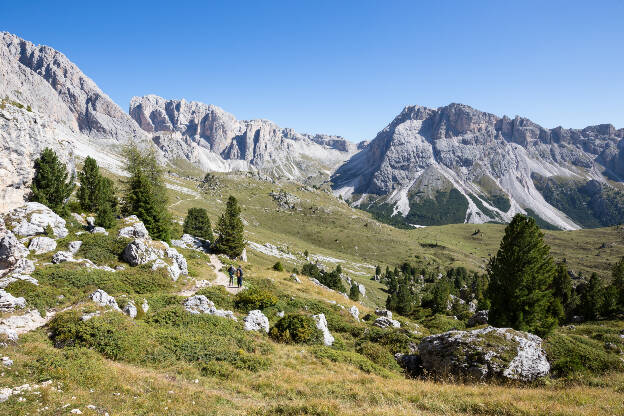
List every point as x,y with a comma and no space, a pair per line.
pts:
216,140
48,102
458,164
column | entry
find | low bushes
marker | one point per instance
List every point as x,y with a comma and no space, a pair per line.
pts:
221,297
379,355
295,328
254,298
101,249
351,358
442,323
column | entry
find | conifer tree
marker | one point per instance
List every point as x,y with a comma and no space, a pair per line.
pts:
354,293
618,282
50,185
563,290
106,209
198,224
521,276
591,297
230,228
89,179
145,193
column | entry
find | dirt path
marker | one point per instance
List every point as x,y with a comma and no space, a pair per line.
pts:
222,279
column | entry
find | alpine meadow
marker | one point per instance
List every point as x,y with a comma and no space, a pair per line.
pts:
173,259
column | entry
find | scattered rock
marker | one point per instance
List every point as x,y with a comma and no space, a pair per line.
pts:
362,289
14,277
75,411
135,229
281,314
11,251
9,303
15,325
41,245
79,218
479,318
199,304
190,242
385,322
130,309
98,230
145,306
90,222
32,219
321,324
355,312
62,257
485,353
139,252
285,200
383,312
256,321
74,246
295,278
104,299
243,256
7,362
178,266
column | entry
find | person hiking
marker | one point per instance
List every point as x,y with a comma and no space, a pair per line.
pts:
239,275
231,272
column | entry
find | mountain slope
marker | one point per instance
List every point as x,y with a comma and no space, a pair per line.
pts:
458,164
215,140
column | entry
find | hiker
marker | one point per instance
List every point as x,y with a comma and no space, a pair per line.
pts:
231,271
239,275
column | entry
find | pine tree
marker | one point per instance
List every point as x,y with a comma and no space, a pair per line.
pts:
521,276
591,297
378,270
354,293
618,282
198,224
230,228
563,290
89,179
145,193
50,185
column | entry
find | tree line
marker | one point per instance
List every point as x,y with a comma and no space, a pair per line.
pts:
143,194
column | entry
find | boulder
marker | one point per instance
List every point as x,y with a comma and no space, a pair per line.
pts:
130,309
74,246
485,353
98,230
321,325
90,222
62,257
385,322
11,251
9,303
243,256
200,304
256,321
355,312
42,244
281,314
14,277
139,252
411,363
383,312
32,219
134,229
145,306
6,361
479,318
104,299
362,289
178,265
190,242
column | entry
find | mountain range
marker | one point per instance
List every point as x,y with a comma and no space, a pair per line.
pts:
428,166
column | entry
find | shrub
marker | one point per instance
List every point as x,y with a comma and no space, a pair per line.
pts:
198,224
40,297
379,355
254,298
300,329
221,297
351,358
278,267
442,323
101,249
354,293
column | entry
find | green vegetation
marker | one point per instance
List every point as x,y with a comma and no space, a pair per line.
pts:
354,293
50,185
230,228
254,298
101,249
97,194
521,276
278,267
198,224
145,192
295,328
330,279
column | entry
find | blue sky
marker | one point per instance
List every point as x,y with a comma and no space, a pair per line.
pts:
346,67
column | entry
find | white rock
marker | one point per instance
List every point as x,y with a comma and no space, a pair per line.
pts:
130,310
200,304
321,324
280,314
32,219
383,312
190,242
90,221
139,252
104,299
62,257
14,277
7,362
362,289
256,321
9,303
74,246
11,251
15,325
145,306
136,229
355,312
179,265
42,244
75,411
385,322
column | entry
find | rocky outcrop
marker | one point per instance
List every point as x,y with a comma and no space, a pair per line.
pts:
102,298
256,321
190,242
41,245
32,219
130,309
9,303
134,228
140,251
485,353
475,163
11,252
385,322
200,304
215,140
321,325
355,313
479,318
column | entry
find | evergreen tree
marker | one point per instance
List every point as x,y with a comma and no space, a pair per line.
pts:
106,210
591,298
50,185
145,193
563,290
441,292
354,293
89,179
198,224
521,276
378,270
618,282
230,228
